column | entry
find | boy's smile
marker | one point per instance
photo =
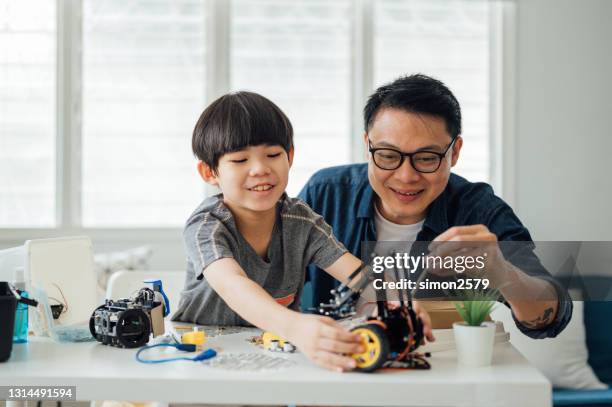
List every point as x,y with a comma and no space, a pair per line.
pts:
264,187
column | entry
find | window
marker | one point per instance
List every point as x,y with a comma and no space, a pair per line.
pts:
27,113
298,54
145,70
143,89
449,41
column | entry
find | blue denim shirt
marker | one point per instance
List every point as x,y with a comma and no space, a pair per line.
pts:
344,197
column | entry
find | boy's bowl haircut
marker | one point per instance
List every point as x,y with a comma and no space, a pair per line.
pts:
236,121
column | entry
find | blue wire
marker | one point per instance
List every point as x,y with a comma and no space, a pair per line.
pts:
207,354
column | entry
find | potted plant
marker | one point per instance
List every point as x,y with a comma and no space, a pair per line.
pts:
474,337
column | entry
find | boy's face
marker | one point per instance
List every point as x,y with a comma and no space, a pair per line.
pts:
252,179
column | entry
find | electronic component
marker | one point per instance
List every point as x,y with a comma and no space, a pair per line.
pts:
195,337
129,322
391,337
275,343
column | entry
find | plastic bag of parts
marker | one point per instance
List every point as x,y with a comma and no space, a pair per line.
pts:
42,322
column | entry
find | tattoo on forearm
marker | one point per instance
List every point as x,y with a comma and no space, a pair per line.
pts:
541,321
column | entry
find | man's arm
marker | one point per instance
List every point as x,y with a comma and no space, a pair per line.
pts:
320,338
534,301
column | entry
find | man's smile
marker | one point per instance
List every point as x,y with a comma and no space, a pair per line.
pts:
406,195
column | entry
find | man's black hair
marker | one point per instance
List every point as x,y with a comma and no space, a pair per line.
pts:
416,93
236,121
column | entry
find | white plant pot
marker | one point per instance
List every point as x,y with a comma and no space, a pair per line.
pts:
474,343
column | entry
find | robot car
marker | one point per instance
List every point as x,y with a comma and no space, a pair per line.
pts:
391,337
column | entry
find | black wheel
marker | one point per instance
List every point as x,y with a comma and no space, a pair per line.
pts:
133,328
376,346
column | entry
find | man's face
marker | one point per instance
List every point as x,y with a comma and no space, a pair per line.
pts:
404,194
253,179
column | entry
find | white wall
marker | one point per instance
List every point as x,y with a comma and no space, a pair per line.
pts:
563,184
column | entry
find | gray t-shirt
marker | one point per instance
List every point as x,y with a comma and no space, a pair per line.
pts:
300,237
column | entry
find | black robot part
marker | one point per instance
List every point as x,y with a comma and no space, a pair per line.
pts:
125,323
391,336
344,301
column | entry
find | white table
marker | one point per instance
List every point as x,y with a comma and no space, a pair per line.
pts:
104,373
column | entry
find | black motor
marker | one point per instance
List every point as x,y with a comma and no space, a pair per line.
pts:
125,323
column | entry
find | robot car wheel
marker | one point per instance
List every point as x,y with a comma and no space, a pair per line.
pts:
376,346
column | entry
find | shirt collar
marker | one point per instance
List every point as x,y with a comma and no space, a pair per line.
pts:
366,204
221,210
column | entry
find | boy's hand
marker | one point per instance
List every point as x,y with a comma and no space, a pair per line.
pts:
324,341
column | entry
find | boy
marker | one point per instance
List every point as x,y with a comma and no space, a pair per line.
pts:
249,246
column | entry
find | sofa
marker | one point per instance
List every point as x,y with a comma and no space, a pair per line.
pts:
597,295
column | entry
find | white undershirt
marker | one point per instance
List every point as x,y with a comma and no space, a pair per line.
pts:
387,231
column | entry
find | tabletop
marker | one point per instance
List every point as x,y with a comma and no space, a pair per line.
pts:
243,373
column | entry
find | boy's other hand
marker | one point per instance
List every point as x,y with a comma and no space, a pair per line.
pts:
324,341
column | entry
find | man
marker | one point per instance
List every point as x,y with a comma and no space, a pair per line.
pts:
406,192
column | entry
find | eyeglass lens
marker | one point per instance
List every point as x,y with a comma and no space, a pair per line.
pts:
391,159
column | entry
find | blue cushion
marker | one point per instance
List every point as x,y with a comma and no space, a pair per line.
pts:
582,398
597,317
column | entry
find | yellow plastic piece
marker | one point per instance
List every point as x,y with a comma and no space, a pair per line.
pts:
269,337
275,343
372,346
196,337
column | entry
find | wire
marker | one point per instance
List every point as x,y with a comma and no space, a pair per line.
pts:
65,303
207,354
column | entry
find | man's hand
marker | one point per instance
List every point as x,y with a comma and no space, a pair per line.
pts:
422,313
474,240
324,341
534,301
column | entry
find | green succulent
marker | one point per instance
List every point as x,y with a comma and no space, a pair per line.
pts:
477,306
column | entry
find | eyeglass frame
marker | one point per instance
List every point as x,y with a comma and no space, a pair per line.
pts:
403,155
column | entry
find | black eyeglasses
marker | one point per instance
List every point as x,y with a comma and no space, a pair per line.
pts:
423,161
